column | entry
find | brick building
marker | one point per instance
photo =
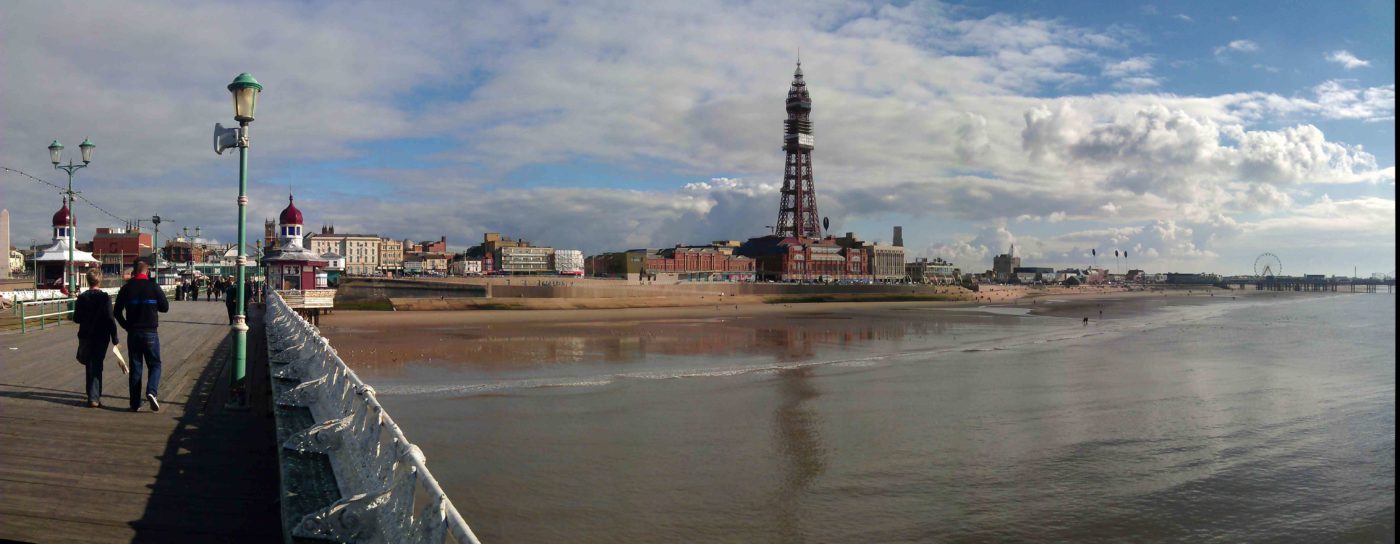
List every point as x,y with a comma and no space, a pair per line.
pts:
118,248
697,263
791,259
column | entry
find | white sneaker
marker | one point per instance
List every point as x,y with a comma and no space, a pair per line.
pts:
155,404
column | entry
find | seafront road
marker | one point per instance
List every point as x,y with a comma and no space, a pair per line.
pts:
194,472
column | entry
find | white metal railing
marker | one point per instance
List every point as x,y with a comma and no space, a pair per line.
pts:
31,295
25,298
379,472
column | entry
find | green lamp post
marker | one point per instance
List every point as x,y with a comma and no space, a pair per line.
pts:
245,92
55,151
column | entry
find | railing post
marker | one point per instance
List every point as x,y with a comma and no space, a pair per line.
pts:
21,319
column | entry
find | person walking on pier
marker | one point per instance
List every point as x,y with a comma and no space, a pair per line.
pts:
231,297
136,310
93,314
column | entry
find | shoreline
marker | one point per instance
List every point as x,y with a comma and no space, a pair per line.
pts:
718,307
502,339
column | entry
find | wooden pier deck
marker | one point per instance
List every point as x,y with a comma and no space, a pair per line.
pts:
191,473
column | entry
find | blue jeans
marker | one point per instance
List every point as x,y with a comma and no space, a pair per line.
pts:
144,347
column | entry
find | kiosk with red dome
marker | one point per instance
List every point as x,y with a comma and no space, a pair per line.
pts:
50,261
293,271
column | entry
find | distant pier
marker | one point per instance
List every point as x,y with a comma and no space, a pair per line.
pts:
1314,284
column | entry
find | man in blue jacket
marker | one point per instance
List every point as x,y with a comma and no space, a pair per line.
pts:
136,310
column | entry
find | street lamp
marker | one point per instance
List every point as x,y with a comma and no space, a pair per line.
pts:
55,150
34,263
155,248
245,91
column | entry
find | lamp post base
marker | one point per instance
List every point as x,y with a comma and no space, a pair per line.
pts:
238,387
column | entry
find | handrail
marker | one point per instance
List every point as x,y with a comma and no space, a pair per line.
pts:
43,318
379,472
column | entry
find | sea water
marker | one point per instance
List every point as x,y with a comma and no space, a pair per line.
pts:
1262,419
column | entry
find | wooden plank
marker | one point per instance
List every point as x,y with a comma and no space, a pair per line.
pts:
191,472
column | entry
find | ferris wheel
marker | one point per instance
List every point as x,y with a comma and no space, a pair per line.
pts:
1268,265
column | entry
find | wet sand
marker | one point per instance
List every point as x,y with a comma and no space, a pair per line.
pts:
378,341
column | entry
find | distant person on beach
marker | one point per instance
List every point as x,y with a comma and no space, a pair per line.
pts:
137,307
93,314
1086,322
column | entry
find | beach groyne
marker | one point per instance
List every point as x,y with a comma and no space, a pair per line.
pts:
348,472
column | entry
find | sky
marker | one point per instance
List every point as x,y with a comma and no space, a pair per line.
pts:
1193,136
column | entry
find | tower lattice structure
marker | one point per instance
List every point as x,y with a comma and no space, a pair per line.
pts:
797,215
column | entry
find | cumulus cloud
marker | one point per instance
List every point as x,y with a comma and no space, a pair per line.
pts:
1184,157
381,116
974,254
972,141
1337,101
1347,60
1150,242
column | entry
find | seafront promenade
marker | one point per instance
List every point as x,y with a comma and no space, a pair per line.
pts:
193,472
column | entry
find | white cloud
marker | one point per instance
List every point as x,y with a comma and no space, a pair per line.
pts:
1184,17
1129,66
918,110
1347,60
1236,46
1367,219
1243,45
1337,101
1138,83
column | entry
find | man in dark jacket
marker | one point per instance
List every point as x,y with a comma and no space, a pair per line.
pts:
136,310
231,297
93,313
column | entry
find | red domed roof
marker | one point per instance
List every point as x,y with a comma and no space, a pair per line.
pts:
62,218
291,215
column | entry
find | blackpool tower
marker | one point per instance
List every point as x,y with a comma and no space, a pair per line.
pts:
797,215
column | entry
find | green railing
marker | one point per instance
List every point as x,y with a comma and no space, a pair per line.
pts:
44,313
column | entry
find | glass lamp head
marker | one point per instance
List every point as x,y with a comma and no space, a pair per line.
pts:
87,146
55,149
245,91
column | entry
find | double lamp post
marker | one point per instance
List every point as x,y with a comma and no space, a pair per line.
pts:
56,149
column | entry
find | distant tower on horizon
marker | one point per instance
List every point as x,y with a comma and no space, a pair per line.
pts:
797,214
269,235
898,236
5,244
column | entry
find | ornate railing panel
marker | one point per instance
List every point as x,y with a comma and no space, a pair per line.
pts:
387,493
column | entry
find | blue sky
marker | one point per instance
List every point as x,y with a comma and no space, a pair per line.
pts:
1194,135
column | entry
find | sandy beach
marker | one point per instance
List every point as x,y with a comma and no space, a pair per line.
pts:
379,339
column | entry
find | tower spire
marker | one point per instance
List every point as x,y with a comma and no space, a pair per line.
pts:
797,213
